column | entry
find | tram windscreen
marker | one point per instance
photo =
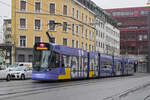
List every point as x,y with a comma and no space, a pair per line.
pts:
42,53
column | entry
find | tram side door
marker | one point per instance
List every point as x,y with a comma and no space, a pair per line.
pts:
55,63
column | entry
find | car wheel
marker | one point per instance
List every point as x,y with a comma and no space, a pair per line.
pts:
8,78
22,77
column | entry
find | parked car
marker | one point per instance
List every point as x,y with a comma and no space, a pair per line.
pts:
21,73
27,64
10,67
5,73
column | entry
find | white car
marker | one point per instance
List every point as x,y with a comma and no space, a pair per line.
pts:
5,73
21,73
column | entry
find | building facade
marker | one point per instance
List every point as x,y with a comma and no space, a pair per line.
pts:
107,36
7,31
134,33
69,22
31,19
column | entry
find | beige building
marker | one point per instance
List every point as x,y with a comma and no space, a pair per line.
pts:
32,18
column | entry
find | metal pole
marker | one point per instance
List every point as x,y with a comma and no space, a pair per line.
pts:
148,65
139,67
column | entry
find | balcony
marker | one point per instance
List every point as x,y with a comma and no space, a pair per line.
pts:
131,44
127,52
136,52
133,29
127,41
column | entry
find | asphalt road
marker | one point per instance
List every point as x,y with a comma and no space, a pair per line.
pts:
64,90
140,94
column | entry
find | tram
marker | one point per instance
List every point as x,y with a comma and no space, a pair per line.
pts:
58,62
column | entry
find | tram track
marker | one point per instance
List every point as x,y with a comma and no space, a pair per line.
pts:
39,87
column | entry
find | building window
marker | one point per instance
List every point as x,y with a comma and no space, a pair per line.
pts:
77,14
37,39
22,41
30,58
73,43
82,17
52,8
65,26
93,36
73,28
86,46
90,35
65,10
90,21
82,45
77,44
21,58
73,12
82,31
37,24
52,26
90,48
86,19
65,41
37,6
86,33
123,13
22,23
22,5
77,29
145,37
93,48
140,37
144,12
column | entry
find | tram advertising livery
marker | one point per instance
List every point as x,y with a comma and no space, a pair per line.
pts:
57,62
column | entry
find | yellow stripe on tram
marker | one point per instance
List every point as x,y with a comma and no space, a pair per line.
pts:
91,73
67,75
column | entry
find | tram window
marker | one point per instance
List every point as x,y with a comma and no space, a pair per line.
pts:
85,63
118,66
92,66
106,62
67,60
55,60
96,62
64,60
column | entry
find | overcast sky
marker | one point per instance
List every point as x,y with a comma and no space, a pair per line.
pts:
5,10
5,6
106,4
